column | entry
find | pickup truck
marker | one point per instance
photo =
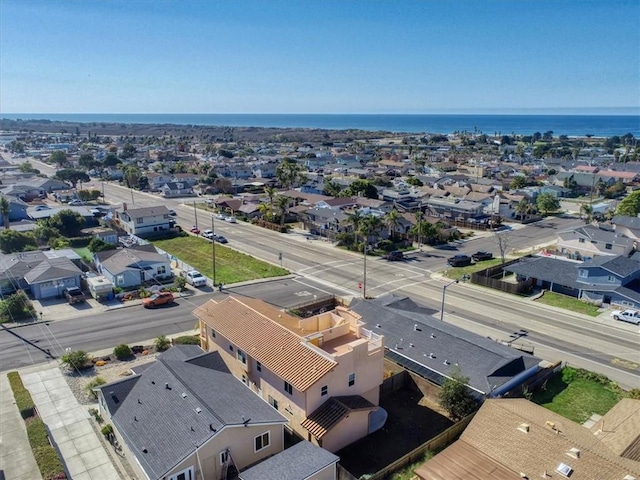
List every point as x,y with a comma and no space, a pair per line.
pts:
195,278
73,295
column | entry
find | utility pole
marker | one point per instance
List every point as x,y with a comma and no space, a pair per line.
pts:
195,213
420,226
364,280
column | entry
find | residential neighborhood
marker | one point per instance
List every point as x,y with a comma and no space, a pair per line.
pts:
378,354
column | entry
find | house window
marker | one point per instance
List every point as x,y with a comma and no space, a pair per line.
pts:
583,273
120,279
240,355
611,279
288,388
139,220
186,474
352,379
261,441
258,366
581,240
273,402
324,390
224,457
245,380
162,270
231,348
608,246
213,333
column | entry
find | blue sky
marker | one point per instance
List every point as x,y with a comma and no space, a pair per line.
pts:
316,56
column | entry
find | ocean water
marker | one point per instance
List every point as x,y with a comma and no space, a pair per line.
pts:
570,125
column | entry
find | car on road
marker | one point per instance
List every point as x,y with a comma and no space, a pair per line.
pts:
221,239
172,212
446,246
230,219
157,299
220,216
208,234
76,203
73,295
39,208
459,261
195,230
630,316
394,256
481,255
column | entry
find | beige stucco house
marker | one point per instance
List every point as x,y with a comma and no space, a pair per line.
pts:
185,417
322,373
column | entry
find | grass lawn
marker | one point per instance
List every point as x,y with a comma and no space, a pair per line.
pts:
456,273
231,266
568,303
576,400
84,253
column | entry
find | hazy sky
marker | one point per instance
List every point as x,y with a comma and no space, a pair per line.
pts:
317,56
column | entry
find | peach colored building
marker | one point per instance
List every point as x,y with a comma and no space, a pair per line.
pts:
322,373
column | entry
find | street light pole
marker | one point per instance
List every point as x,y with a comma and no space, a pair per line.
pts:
364,279
213,243
444,291
195,213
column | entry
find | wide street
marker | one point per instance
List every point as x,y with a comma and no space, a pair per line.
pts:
599,344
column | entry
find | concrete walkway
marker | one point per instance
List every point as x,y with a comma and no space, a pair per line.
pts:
16,459
70,427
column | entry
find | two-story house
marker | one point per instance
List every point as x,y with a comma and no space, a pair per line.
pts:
185,417
323,373
176,189
145,221
627,226
591,241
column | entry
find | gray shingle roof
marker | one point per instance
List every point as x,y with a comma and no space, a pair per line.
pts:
178,403
561,272
52,269
116,261
404,323
146,211
620,265
35,267
298,462
626,221
594,233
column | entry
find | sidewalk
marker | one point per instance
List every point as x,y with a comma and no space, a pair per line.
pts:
16,459
69,426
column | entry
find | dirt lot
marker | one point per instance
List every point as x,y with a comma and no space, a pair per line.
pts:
410,424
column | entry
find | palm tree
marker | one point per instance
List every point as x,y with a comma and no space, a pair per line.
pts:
392,220
5,208
271,193
265,210
370,227
588,212
282,202
522,208
355,220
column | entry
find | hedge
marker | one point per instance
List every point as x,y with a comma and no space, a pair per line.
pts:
79,242
37,433
187,340
24,402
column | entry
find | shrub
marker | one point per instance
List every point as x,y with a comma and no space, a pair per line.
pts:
179,283
49,463
122,351
96,382
15,307
77,360
187,340
37,433
162,343
24,402
634,393
569,374
107,430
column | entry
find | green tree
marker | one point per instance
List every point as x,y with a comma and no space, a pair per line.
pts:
98,245
162,343
587,210
331,188
282,203
59,157
364,187
111,160
393,220
518,182
547,202
5,209
271,193
87,161
455,397
72,176
122,351
523,207
370,228
630,205
16,307
132,176
67,222
128,151
416,182
27,167
12,241
76,360
290,173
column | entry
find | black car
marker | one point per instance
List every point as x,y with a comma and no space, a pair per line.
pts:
459,261
394,256
481,255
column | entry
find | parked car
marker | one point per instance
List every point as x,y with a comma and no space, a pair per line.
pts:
230,219
194,277
631,316
76,203
195,230
73,295
208,234
172,212
157,299
481,255
459,261
394,256
221,239
39,208
220,216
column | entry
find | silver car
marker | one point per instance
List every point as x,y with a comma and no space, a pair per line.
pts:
631,316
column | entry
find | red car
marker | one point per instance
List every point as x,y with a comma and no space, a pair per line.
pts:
157,299
195,230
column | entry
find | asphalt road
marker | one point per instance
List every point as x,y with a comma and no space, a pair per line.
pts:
605,346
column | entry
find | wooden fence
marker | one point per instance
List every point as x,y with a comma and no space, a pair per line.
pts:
487,278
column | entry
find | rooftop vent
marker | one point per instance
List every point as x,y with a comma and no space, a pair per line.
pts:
630,477
545,475
431,355
153,382
144,450
378,325
446,362
523,475
184,395
433,335
198,410
211,427
416,328
574,453
564,470
166,385
524,427
411,345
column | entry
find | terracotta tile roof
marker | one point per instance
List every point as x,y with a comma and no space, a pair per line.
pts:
261,331
331,412
619,429
495,432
